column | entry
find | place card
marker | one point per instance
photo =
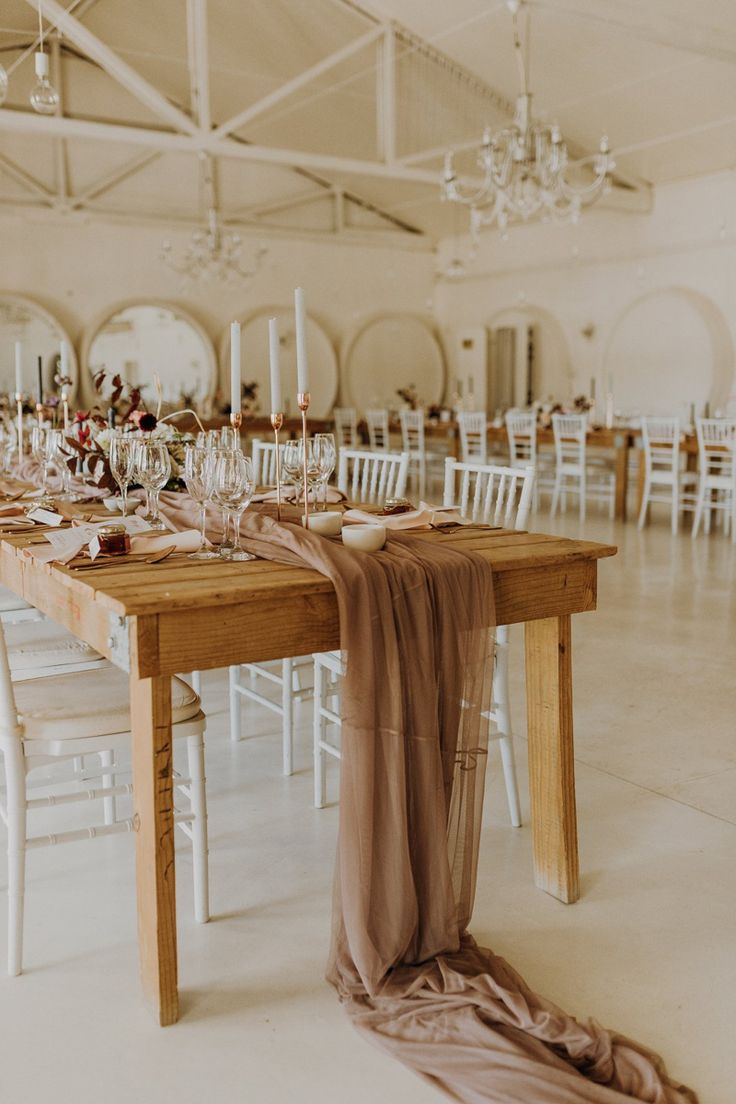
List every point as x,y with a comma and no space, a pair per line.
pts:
45,517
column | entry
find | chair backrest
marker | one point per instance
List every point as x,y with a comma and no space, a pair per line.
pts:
378,430
473,442
661,440
521,430
716,444
366,476
490,493
412,430
570,431
346,427
264,461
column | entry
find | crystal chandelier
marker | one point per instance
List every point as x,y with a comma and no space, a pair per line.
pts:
525,165
213,253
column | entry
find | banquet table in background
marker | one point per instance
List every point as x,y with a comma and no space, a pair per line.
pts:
179,615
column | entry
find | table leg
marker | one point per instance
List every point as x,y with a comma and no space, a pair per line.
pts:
150,703
622,479
551,766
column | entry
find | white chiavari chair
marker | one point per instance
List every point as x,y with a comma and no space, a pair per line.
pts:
521,432
661,445
264,462
473,427
365,476
346,427
413,442
378,430
571,466
496,496
716,472
52,720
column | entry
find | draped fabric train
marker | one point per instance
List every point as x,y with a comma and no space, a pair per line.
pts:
414,623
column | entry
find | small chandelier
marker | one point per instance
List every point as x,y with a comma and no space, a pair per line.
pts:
213,253
525,166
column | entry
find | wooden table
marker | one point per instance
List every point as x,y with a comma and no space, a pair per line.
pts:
184,615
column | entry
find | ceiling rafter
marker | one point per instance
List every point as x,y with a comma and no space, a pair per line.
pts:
114,65
29,182
199,67
116,176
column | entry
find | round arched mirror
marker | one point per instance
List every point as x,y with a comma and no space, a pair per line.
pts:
40,335
390,351
138,341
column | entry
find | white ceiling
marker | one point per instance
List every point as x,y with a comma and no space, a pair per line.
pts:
658,76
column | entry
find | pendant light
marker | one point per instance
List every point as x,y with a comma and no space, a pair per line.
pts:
44,97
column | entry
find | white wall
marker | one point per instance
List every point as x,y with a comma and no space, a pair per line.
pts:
659,290
78,270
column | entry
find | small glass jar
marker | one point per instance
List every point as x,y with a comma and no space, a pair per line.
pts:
113,540
396,506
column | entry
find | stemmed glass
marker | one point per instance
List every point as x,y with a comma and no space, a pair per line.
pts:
326,456
152,468
121,463
232,490
199,473
291,463
57,454
212,439
39,437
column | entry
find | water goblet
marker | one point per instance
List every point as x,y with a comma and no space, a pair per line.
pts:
39,437
122,448
152,468
232,490
326,456
199,477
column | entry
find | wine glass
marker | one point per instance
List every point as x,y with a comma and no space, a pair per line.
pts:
199,477
291,463
122,447
232,490
326,456
152,467
39,436
57,455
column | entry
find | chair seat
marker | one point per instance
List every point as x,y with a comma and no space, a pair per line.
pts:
87,704
34,644
10,601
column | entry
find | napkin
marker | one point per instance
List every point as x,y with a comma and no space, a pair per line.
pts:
422,518
287,495
63,545
187,540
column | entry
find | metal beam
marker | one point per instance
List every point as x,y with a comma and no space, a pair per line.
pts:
25,179
114,65
293,85
113,178
199,70
60,162
386,96
27,122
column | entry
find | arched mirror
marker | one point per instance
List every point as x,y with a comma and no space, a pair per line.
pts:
138,341
254,362
388,352
40,335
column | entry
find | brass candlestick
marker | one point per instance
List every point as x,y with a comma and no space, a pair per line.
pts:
302,399
236,420
277,420
19,404
39,413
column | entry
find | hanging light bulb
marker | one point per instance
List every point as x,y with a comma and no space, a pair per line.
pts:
44,97
3,85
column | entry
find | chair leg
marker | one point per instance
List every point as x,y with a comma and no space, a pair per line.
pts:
644,504
508,761
698,511
320,765
15,780
502,704
555,495
675,509
582,491
107,759
198,799
234,704
287,716
197,682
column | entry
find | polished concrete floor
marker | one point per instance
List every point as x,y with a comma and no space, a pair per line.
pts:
650,949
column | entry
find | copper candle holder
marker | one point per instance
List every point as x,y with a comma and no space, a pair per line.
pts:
236,421
277,420
303,398
39,413
19,405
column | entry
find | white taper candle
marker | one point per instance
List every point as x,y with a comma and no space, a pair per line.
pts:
235,388
18,368
273,349
302,368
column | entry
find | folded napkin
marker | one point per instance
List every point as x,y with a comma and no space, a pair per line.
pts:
423,518
11,509
287,495
187,540
63,545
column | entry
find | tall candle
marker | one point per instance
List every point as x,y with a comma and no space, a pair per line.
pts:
64,369
18,368
273,349
235,388
65,408
39,365
302,368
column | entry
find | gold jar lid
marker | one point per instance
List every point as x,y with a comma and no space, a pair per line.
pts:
111,530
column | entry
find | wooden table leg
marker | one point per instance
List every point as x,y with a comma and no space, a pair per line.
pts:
551,766
150,703
622,479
